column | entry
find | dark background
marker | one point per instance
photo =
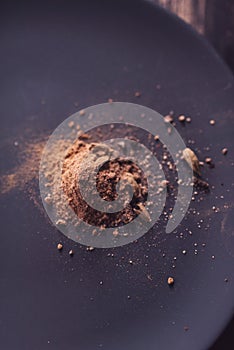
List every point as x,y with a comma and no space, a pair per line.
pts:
215,20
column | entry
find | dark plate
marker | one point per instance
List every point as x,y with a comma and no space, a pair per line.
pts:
90,51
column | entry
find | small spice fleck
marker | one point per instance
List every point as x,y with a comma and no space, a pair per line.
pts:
71,124
59,246
168,119
60,222
48,199
71,253
82,112
212,122
208,160
181,118
224,151
188,120
184,252
90,249
170,281
137,94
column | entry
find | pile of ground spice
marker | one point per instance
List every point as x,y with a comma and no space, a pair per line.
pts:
108,177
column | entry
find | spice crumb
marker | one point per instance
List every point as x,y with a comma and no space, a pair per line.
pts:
82,112
90,249
208,160
212,122
181,118
168,118
71,124
71,253
137,94
60,222
170,281
59,246
224,151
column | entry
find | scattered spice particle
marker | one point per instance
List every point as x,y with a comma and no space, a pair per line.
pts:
48,199
90,249
137,94
170,281
188,120
184,252
60,222
208,160
82,112
71,124
59,246
181,118
149,277
226,280
168,118
71,253
224,151
212,122
213,257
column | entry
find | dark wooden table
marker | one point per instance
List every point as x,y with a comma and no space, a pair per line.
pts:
212,18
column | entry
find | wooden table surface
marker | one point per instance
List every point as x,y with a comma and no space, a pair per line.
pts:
212,18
